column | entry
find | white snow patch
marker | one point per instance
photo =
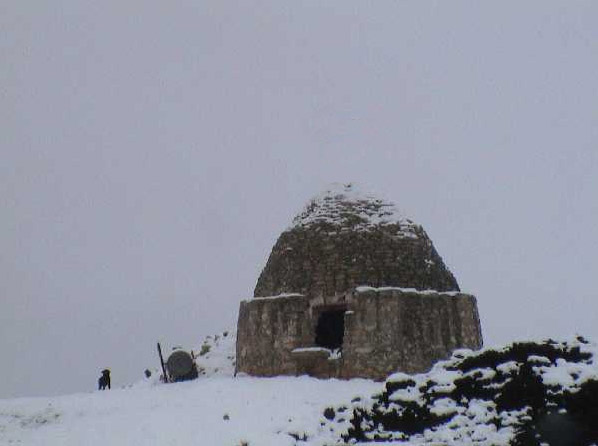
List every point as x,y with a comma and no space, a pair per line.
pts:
410,394
216,356
278,296
508,367
367,288
482,374
311,349
444,406
346,205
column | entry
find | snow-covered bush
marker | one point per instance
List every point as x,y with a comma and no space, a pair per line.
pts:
528,393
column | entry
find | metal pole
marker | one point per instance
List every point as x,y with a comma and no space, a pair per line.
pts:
162,364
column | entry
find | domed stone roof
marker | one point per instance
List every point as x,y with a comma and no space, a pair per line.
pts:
344,239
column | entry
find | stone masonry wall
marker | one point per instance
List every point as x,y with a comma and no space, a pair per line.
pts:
268,330
386,330
324,260
393,330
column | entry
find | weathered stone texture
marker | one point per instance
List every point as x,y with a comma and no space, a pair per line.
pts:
406,331
267,332
385,331
323,260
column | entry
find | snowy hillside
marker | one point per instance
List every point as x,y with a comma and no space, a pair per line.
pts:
532,393
216,355
215,409
208,411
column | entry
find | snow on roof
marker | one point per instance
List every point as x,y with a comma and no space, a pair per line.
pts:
347,205
366,288
278,296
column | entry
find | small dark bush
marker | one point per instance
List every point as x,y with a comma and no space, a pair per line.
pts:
391,386
525,389
205,348
329,413
520,352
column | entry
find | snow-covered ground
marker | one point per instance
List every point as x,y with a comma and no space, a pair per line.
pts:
208,411
216,409
528,393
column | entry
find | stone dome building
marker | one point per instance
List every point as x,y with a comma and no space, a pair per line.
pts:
353,289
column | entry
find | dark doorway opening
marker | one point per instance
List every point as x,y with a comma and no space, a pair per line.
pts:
331,329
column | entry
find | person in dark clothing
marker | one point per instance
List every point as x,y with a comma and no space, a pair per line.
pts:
104,380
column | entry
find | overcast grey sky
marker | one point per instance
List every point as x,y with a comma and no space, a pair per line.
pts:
152,152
